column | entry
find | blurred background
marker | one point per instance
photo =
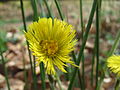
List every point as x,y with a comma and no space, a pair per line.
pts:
13,42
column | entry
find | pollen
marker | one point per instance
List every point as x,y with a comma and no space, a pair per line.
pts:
49,47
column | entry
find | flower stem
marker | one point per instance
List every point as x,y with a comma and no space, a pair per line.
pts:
82,29
48,8
79,74
117,84
41,8
34,74
84,43
93,61
59,9
59,82
29,52
42,74
51,80
62,18
5,69
115,44
34,6
81,18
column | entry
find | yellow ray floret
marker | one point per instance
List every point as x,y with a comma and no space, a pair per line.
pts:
51,41
113,63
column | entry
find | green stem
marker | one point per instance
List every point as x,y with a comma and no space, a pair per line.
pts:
59,82
59,9
97,43
41,8
93,61
24,23
51,80
81,18
34,6
42,74
23,15
82,28
34,74
117,84
29,52
62,18
84,43
48,8
115,44
79,74
5,69
83,73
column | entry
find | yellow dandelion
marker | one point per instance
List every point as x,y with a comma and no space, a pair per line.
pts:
113,63
51,41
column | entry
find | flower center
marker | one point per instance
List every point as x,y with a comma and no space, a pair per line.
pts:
50,47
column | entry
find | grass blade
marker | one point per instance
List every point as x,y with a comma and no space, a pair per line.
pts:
82,28
59,9
34,6
29,52
42,13
48,8
84,43
97,42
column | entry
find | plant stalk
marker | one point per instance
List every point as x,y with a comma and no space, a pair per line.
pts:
97,43
83,44
42,74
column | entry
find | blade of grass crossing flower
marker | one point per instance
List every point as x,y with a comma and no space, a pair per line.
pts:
51,15
42,74
48,8
30,58
5,69
59,9
62,18
84,43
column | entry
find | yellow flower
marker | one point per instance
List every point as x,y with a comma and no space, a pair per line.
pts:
113,63
51,41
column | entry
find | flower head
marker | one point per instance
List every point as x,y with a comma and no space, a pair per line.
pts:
113,63
51,41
